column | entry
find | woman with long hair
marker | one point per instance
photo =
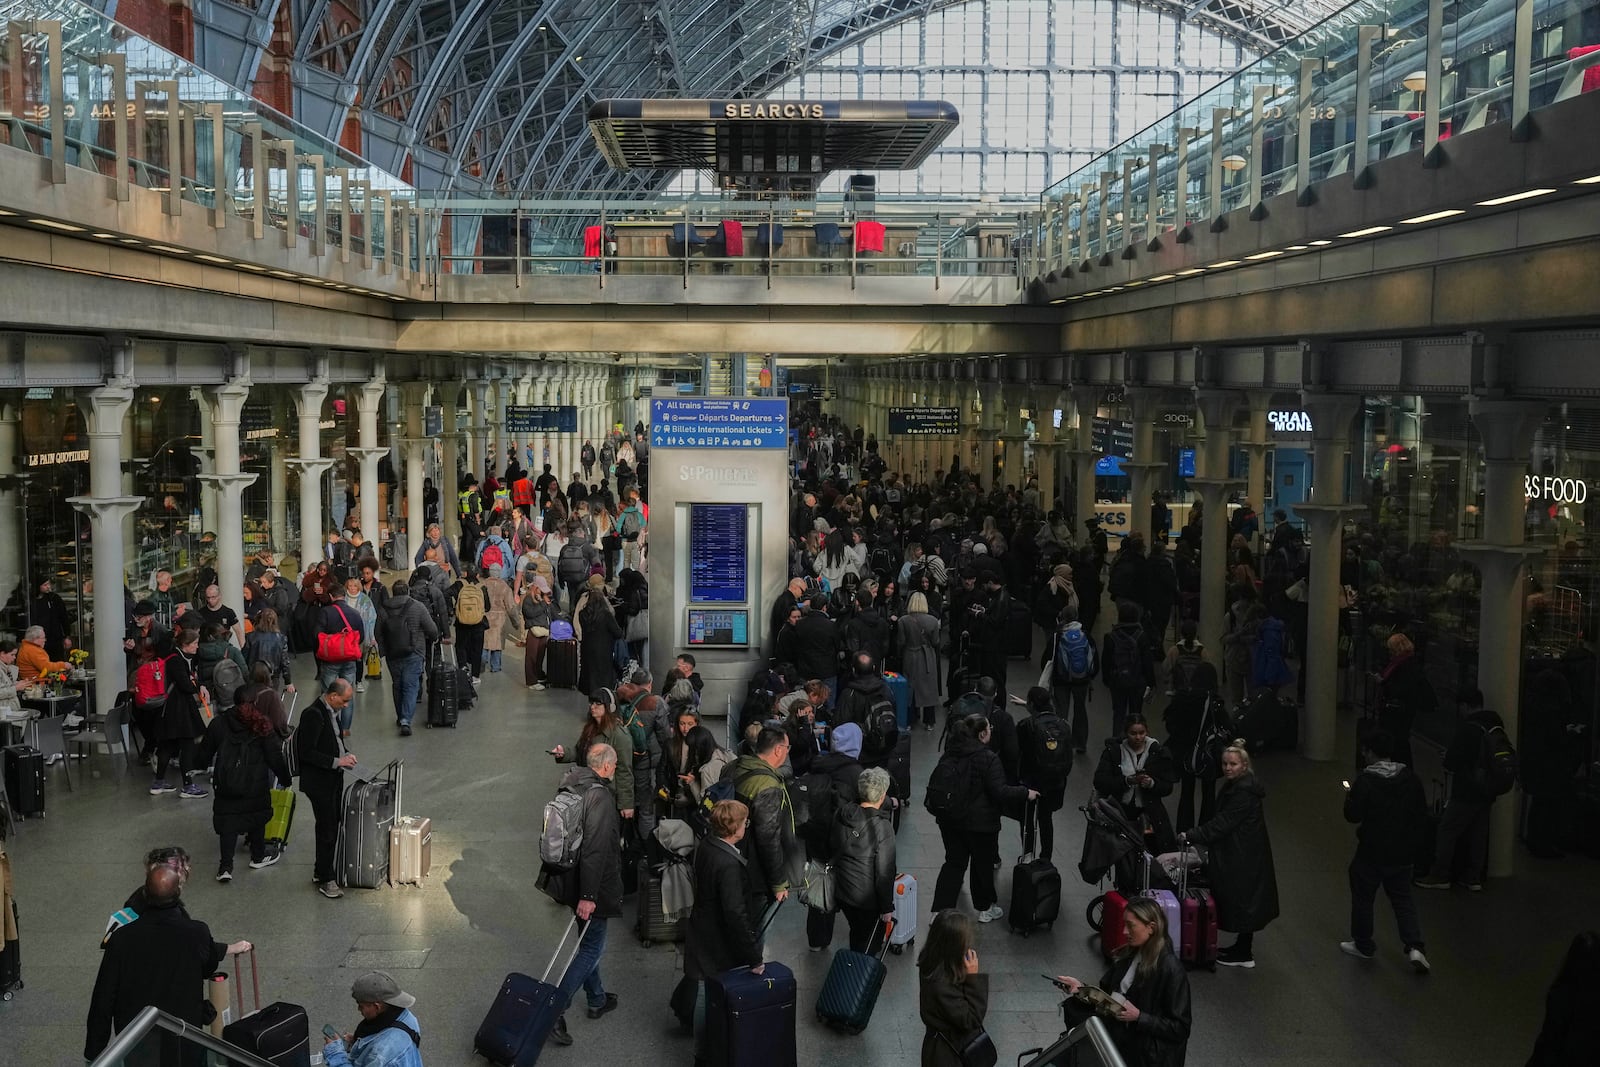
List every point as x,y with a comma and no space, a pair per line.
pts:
834,562
597,629
266,645
1152,1026
248,754
603,726
953,995
1243,880
538,611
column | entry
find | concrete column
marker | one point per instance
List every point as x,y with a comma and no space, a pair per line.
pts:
1011,435
278,483
1045,448
989,424
449,482
224,403
1256,487
206,455
413,398
1144,465
1507,428
369,401
311,467
129,536
482,414
502,397
541,440
1085,401
12,520
103,410
1216,408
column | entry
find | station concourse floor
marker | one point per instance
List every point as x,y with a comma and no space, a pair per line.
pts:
479,916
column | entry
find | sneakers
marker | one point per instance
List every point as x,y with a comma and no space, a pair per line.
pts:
609,1005
330,890
1350,948
159,787
1229,958
1418,961
1472,887
405,729
1424,883
361,687
225,874
265,861
990,915
537,687
560,1035
193,792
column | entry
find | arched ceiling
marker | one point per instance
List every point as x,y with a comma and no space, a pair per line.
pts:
492,94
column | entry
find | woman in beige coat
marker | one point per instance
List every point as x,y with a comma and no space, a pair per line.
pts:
500,605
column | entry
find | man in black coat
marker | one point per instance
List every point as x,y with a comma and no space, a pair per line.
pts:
728,905
322,762
793,594
816,646
158,960
599,884
1387,805
1465,822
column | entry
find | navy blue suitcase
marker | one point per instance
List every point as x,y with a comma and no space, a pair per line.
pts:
850,991
523,1013
750,1018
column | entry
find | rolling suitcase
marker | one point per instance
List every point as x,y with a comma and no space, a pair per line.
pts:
370,810
444,691
279,1033
561,664
900,770
904,933
524,1012
750,1018
900,692
1035,883
11,962
1112,935
277,832
1169,908
850,991
24,773
410,850
1267,722
1019,632
1197,941
650,923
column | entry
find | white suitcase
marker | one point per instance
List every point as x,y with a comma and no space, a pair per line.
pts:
905,914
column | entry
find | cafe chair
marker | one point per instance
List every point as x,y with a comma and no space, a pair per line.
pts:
110,731
52,742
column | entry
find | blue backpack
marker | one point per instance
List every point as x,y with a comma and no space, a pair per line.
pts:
1267,666
1074,655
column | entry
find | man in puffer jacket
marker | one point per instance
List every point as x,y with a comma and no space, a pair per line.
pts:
862,850
770,846
1386,802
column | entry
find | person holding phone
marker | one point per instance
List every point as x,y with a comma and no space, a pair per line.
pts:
388,1035
954,996
1148,981
1244,882
1136,771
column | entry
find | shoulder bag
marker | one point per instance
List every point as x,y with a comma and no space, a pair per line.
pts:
976,1051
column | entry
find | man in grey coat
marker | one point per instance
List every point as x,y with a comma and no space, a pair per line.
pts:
405,630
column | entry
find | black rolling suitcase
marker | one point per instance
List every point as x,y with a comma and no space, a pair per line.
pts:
444,692
24,772
652,926
561,664
1035,883
1019,631
279,1033
370,810
11,962
850,991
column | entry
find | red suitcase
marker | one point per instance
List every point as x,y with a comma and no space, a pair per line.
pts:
1197,942
1112,935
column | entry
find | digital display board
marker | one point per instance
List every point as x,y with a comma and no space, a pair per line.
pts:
719,556
1186,463
542,418
719,627
924,422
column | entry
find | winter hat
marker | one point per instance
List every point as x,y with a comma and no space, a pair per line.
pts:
847,739
1061,577
597,581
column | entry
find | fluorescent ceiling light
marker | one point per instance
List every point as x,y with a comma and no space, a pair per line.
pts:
169,249
54,225
1163,278
1225,263
1264,255
212,259
1368,232
104,236
280,274
1296,248
1581,181
250,266
1133,284
1320,244
1526,194
130,240
1434,216
1191,271
3,211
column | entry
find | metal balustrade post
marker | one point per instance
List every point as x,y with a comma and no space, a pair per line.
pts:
221,173
604,258
516,242
118,64
1362,155
1305,112
55,117
258,165
1433,92
938,251
1521,70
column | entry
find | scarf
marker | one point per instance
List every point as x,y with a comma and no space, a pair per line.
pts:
388,1019
1133,763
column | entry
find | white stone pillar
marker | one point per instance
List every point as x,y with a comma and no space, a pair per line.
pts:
1085,402
449,482
1045,449
224,403
206,454
12,520
413,398
1256,447
1216,408
502,397
103,410
482,415
369,402
311,466
278,485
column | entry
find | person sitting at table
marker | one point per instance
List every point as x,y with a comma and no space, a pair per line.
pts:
9,704
32,659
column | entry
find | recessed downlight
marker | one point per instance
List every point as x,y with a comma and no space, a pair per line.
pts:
66,227
1191,271
1225,263
1368,232
169,250
1265,255
1433,216
1526,194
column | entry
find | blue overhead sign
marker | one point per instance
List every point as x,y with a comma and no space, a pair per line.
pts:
542,418
718,422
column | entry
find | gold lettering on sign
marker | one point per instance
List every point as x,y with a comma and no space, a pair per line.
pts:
772,109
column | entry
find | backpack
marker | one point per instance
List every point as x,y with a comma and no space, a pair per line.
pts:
947,788
1124,669
150,684
1267,667
1052,746
1185,670
562,836
1496,770
638,729
882,561
469,605
233,765
226,679
492,556
394,636
1074,655
570,565
1204,758
883,727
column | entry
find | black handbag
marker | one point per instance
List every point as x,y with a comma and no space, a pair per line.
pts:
976,1051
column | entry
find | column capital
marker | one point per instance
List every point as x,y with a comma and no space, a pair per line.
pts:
308,397
1326,516
369,395
106,406
1331,415
1506,560
1507,427
230,484
310,466
110,509
225,402
415,391
1216,406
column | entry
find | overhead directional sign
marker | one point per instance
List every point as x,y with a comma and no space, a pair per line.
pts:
718,422
542,418
924,422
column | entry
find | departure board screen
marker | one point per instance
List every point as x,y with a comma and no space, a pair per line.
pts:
713,628
719,556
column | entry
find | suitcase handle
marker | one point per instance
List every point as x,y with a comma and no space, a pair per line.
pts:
1030,832
557,953
238,984
888,928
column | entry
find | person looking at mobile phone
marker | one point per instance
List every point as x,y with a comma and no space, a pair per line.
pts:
388,1035
1390,810
1136,771
1152,1027
953,995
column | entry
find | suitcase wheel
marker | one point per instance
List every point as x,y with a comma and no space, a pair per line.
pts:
896,949
1095,912
646,942
7,995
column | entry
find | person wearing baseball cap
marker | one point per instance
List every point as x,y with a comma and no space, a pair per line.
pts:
388,1035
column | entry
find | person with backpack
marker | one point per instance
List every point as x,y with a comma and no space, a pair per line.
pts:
1196,722
405,631
966,793
631,526
266,645
1069,666
604,727
868,630
1128,665
1403,693
1269,668
495,555
249,759
215,650
770,845
471,622
1045,750
1387,804
1135,771
830,784
179,722
1483,768
574,563
341,635
866,702
644,714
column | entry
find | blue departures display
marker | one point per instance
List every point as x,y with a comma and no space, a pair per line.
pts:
719,536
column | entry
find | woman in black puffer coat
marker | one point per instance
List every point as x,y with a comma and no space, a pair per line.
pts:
972,833
249,758
1242,877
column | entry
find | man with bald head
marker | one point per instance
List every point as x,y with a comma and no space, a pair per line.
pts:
157,960
323,761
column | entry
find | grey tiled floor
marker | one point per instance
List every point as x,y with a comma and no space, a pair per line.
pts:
479,916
